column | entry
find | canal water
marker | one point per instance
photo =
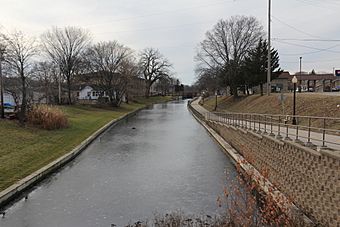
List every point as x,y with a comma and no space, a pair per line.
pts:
160,160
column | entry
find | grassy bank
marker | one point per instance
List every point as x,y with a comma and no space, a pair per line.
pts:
25,150
307,104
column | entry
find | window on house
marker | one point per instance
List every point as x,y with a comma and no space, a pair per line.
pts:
93,93
77,93
89,93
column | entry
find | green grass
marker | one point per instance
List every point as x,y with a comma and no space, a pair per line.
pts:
25,150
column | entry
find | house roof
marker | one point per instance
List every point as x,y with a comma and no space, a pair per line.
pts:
93,86
287,75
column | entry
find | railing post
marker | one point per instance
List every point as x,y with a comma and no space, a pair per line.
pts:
259,131
247,122
254,122
287,132
309,143
271,126
297,133
324,133
279,130
265,124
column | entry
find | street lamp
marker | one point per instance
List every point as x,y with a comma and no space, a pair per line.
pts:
294,81
2,50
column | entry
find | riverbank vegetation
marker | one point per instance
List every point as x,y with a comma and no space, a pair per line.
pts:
241,204
24,150
47,117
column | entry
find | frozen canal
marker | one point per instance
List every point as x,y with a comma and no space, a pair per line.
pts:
160,160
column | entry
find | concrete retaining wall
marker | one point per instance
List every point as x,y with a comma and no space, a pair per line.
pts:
310,179
16,189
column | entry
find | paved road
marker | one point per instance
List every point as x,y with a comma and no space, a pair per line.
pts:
158,161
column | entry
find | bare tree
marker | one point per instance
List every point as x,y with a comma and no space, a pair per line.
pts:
65,47
20,51
207,80
154,66
107,61
46,74
130,73
226,46
164,85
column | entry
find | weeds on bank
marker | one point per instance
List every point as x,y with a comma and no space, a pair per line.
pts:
47,117
242,204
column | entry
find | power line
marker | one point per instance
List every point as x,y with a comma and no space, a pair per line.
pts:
296,29
317,3
311,62
313,48
307,40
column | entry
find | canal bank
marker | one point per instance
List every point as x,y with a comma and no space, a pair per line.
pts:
157,161
12,192
17,189
257,148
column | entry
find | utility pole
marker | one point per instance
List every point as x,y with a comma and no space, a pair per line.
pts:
269,67
2,49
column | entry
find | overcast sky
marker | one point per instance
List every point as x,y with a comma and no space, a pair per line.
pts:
176,27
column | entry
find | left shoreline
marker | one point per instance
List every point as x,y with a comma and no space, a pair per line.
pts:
12,192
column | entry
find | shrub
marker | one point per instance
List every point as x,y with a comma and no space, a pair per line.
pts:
47,117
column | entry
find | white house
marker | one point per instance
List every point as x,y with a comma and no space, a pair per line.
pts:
88,93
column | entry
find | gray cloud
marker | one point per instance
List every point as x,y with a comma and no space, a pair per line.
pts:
175,27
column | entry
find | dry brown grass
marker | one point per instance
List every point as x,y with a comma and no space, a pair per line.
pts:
307,104
47,117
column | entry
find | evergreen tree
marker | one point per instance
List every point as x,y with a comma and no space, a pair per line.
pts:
256,64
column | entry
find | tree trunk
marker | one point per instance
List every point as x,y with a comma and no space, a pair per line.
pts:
69,90
22,114
127,98
261,89
234,91
147,90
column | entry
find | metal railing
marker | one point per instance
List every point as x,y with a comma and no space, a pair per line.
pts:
194,111
309,131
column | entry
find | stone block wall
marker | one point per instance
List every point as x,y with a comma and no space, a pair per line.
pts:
311,179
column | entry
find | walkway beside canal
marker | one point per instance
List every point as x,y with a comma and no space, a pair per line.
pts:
287,133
